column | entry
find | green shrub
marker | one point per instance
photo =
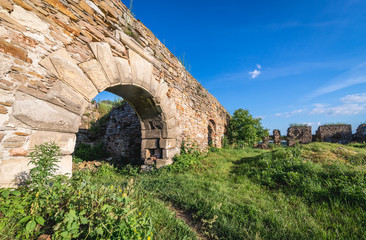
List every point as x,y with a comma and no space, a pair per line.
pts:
88,152
74,208
244,130
44,158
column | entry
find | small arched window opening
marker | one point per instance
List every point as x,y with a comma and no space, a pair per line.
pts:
211,129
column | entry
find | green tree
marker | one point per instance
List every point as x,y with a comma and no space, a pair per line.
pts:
244,130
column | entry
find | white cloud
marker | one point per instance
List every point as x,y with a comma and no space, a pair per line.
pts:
350,105
344,109
356,75
255,73
355,98
289,114
314,124
259,66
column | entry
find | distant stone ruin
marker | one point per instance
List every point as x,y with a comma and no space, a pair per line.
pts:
337,133
360,135
298,134
277,137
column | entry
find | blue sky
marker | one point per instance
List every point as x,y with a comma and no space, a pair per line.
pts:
284,61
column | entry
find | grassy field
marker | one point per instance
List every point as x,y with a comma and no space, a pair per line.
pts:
315,191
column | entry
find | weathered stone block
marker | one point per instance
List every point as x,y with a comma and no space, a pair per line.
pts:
14,171
18,152
14,51
64,96
66,141
140,68
124,70
6,4
150,143
29,19
172,133
65,166
96,73
168,143
170,153
103,54
14,142
65,67
42,115
163,162
151,133
3,110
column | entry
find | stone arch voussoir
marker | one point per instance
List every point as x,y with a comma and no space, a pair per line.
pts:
105,72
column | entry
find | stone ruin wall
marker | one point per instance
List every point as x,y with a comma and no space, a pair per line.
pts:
56,55
120,132
335,133
299,134
341,133
360,135
276,137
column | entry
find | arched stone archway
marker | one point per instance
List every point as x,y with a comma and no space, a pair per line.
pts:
57,55
55,116
131,79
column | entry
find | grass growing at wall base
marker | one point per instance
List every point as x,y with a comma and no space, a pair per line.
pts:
315,191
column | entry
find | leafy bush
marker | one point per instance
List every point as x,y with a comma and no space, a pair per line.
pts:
70,208
44,158
88,152
244,130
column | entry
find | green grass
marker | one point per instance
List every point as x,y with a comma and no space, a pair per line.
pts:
315,191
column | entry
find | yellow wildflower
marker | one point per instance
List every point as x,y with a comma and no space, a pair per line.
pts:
139,213
112,187
124,195
120,190
148,238
37,194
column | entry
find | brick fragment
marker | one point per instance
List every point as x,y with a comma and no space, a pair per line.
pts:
67,27
23,4
7,5
86,7
62,8
18,152
3,110
21,134
8,104
14,51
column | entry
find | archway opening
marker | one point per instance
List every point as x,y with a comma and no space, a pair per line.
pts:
127,126
211,129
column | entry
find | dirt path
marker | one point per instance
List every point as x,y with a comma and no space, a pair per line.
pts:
187,217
